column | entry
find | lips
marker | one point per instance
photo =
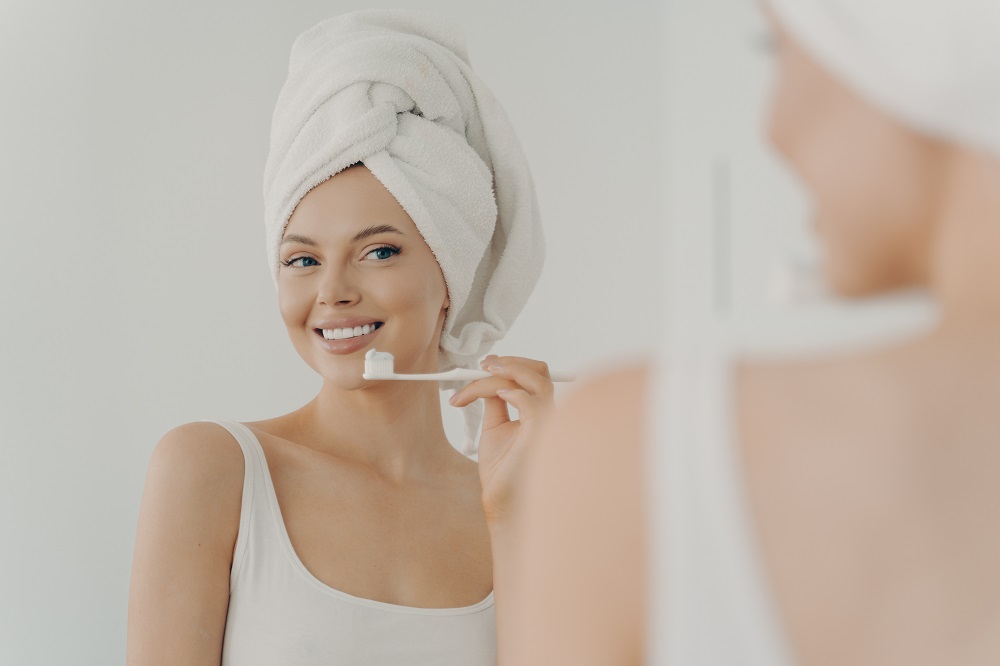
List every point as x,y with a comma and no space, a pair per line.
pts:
349,345
346,332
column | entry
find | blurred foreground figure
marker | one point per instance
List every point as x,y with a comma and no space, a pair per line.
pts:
715,509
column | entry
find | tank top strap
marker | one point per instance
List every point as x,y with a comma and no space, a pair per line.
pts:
255,523
711,605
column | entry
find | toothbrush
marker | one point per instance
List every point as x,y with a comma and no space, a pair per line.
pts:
378,365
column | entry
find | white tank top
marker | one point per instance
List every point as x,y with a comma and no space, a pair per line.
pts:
279,613
710,603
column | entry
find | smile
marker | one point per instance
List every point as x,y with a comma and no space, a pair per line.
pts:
345,333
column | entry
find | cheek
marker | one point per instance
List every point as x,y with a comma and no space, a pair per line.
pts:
871,180
874,217
868,192
293,304
417,291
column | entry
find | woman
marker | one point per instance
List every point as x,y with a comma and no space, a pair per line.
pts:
350,530
839,509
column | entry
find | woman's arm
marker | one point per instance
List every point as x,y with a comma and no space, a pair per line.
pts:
580,565
188,523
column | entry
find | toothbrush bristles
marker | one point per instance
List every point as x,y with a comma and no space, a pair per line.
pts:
378,363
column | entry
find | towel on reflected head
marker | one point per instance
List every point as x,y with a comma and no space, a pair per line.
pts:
393,89
933,64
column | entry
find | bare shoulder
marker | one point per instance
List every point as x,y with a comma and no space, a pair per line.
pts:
187,529
194,485
618,391
597,435
199,441
202,455
583,558
603,418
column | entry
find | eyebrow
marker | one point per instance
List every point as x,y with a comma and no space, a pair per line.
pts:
360,236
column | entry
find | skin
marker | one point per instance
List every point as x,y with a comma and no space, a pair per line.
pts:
363,473
874,500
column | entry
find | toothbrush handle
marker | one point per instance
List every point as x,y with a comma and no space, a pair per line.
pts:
464,374
468,375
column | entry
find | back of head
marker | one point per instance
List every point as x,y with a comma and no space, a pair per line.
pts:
933,64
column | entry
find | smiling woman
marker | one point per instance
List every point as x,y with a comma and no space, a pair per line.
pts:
351,246
399,212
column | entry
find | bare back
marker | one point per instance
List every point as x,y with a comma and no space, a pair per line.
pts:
873,483
873,491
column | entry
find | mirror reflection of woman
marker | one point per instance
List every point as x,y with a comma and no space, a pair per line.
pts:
834,509
401,216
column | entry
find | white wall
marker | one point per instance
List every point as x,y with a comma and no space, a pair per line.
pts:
133,282
739,246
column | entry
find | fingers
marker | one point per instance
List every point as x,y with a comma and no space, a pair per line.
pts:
481,388
510,372
530,375
495,412
525,404
541,367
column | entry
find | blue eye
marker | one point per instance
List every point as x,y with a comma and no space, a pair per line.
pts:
384,252
291,262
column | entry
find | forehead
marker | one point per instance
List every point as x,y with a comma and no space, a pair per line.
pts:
350,200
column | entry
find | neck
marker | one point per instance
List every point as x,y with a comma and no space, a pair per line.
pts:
395,428
965,268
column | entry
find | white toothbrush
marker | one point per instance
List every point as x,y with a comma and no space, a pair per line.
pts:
378,365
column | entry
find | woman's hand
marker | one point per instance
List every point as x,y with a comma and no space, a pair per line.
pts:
525,384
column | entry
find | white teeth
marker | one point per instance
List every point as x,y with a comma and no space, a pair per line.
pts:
345,333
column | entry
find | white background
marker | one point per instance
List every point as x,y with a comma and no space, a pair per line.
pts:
135,292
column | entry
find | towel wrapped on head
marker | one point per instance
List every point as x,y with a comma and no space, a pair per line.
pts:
932,64
394,90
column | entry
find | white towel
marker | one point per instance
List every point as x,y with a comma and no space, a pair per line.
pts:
933,64
394,89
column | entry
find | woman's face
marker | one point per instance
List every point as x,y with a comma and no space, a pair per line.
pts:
873,182
352,257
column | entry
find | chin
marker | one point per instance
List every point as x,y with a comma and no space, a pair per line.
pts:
345,379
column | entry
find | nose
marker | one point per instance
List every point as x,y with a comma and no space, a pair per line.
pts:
338,287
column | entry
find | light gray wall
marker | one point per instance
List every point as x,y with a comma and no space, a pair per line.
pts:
134,287
740,250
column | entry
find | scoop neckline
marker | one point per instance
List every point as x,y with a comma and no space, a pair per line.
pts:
299,566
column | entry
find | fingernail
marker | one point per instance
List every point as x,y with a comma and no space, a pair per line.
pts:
453,399
503,391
